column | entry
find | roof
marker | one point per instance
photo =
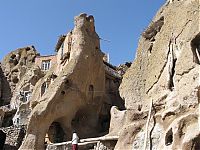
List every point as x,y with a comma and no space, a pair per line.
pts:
60,42
45,56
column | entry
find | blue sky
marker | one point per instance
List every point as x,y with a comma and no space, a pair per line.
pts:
40,22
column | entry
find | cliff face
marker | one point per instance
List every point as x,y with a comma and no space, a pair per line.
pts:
15,65
70,92
15,78
44,98
164,82
50,96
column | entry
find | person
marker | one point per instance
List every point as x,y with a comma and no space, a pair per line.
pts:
75,139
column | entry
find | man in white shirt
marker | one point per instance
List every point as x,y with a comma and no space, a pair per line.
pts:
75,139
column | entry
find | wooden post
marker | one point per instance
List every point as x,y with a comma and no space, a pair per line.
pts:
147,125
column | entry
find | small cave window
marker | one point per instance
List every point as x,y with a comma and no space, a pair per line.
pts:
17,121
195,44
139,107
172,73
169,138
91,88
44,87
63,92
150,48
91,91
53,76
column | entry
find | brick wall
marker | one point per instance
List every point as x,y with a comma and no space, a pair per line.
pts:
39,59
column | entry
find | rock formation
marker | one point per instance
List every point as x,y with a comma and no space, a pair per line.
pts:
152,103
70,91
15,65
161,87
13,77
50,96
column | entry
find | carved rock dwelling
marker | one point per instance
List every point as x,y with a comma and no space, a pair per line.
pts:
152,103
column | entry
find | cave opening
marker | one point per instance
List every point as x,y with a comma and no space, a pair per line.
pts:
104,122
88,122
55,134
195,44
169,138
2,139
91,92
7,120
171,81
196,144
44,87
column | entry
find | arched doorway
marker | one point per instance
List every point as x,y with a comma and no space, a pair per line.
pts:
55,134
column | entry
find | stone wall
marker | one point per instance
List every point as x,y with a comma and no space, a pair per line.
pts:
14,137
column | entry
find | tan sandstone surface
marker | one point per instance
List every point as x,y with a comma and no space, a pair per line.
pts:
154,104
165,73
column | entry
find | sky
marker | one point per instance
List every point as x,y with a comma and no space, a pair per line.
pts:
40,22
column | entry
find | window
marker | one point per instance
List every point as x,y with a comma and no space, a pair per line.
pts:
44,88
27,96
17,121
46,64
169,138
91,92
